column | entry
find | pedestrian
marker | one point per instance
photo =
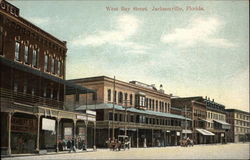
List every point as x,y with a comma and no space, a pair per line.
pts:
20,144
73,144
69,145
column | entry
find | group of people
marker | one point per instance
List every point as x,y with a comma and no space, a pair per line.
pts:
71,145
115,144
185,142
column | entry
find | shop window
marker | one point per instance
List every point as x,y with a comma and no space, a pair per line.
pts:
17,51
109,95
26,54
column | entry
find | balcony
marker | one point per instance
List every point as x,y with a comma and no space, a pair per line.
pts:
8,96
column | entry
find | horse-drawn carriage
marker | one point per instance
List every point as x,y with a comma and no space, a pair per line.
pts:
186,142
122,142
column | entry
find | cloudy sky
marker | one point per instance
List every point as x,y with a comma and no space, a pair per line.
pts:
192,53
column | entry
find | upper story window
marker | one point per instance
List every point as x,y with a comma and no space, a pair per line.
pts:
26,54
156,105
59,68
142,101
126,97
35,58
131,99
17,51
109,94
1,40
120,97
46,58
52,65
115,96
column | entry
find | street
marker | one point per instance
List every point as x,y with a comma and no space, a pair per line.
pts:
213,151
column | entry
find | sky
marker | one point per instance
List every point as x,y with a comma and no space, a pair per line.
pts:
192,48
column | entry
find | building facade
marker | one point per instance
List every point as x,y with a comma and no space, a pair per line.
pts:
135,109
32,88
216,120
196,111
240,125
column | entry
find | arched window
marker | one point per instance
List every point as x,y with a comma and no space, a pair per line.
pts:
120,97
131,99
109,94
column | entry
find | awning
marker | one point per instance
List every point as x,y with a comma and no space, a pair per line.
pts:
225,125
71,88
186,131
205,132
205,120
129,109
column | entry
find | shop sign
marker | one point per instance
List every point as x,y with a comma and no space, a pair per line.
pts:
23,125
91,112
48,124
222,135
178,133
81,117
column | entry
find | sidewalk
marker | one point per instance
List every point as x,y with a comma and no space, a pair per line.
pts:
48,153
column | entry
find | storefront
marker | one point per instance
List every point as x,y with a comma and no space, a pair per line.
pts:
23,133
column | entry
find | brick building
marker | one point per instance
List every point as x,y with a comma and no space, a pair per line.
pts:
33,86
135,109
196,111
240,125
216,120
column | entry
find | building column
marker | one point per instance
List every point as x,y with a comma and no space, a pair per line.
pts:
175,138
137,138
94,146
38,133
165,143
57,133
9,133
74,133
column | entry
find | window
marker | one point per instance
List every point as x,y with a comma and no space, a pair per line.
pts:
150,103
46,62
131,99
142,101
17,51
109,94
52,65
126,97
94,96
1,40
153,104
146,103
34,58
115,96
77,98
131,118
110,116
156,105
26,54
59,68
15,86
120,97
166,107
25,87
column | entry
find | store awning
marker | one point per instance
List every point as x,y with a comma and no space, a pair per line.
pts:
70,87
187,131
129,109
205,132
205,120
224,125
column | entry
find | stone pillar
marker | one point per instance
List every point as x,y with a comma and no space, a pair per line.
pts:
175,139
74,133
9,133
38,133
57,133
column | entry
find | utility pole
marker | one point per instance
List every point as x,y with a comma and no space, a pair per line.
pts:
114,97
185,121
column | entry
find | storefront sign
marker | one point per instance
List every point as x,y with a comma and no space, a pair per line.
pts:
48,124
9,8
222,135
178,133
91,112
23,125
81,117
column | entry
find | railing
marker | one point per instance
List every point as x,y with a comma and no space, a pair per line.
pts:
28,99
136,125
